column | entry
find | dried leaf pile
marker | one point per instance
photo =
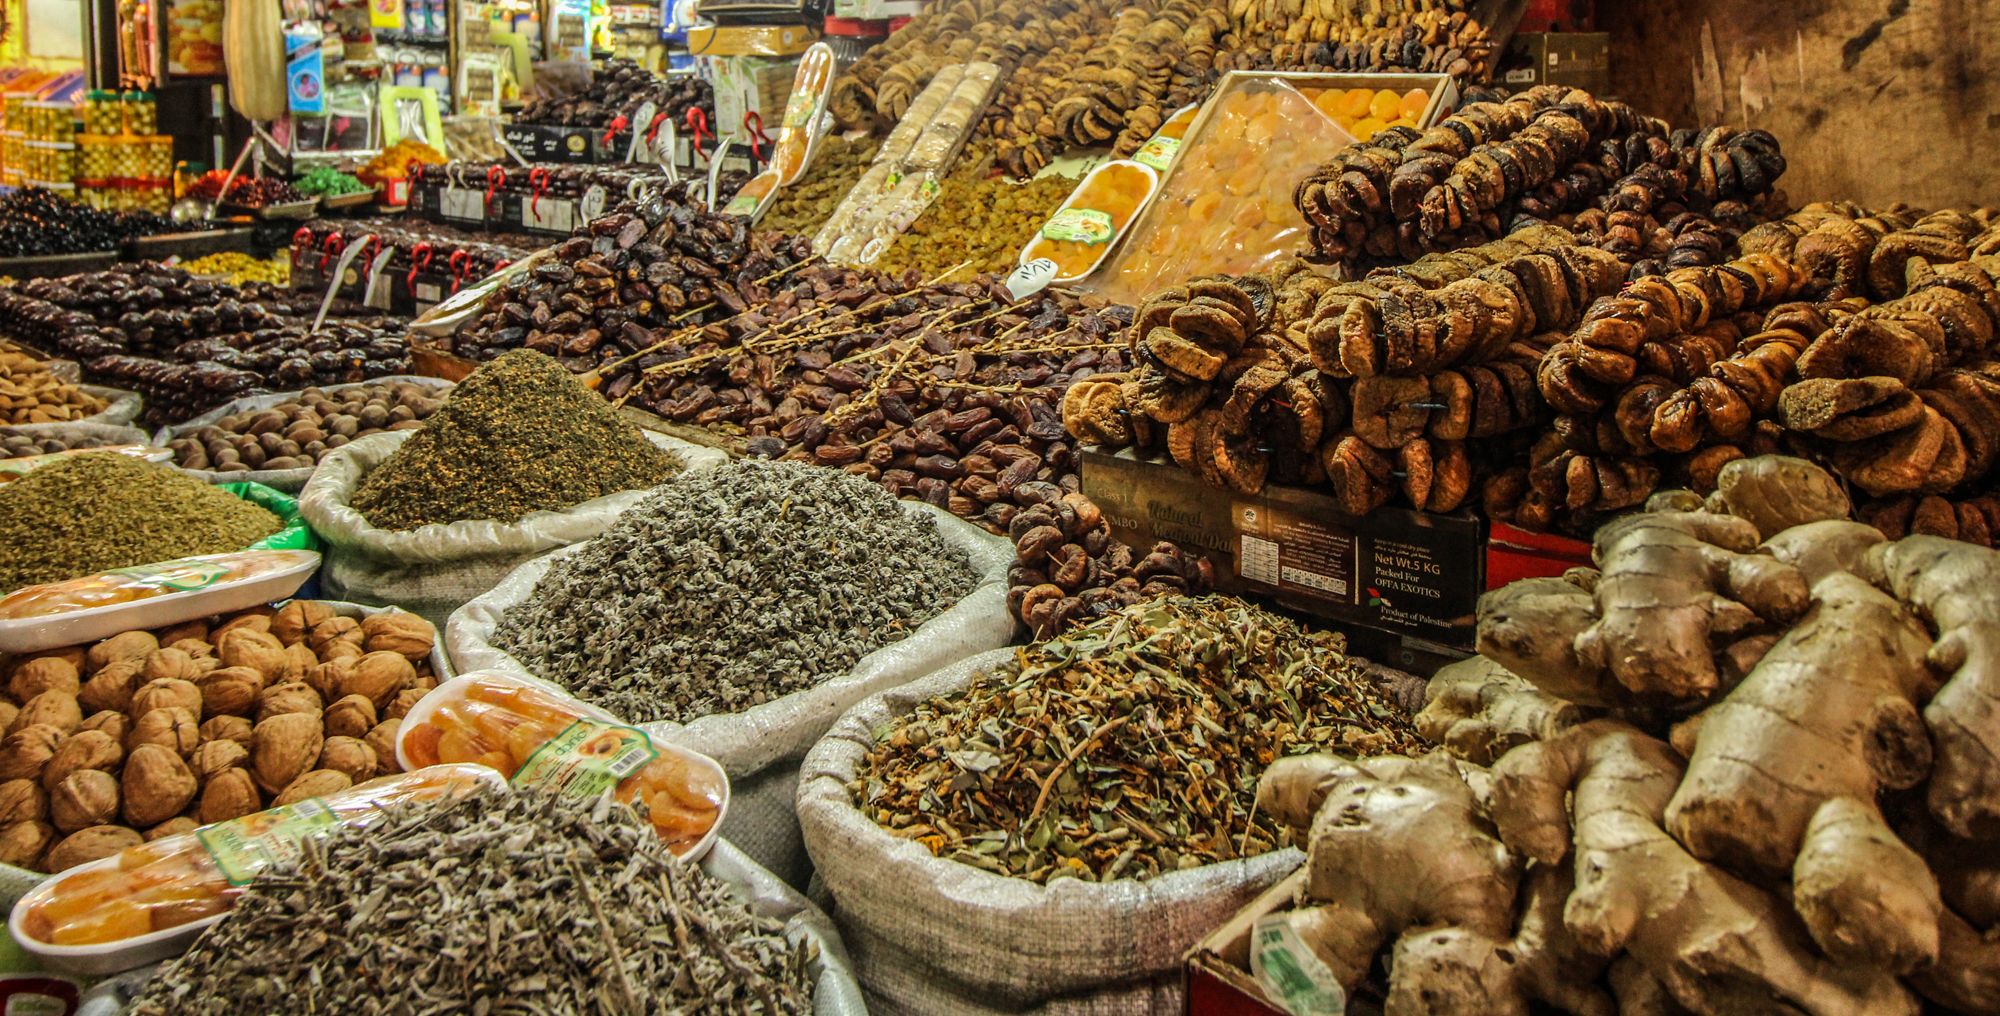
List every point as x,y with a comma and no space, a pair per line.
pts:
1128,747
494,902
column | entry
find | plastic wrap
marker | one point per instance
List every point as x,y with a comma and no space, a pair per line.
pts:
535,735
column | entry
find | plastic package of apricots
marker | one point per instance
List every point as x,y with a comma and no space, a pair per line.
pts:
1083,231
1226,206
147,902
535,735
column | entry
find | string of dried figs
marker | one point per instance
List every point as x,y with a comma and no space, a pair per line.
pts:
1068,569
151,733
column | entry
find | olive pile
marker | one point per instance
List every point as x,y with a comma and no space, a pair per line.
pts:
295,434
36,223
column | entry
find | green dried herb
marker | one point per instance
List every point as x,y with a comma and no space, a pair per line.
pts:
520,435
803,206
104,510
1128,747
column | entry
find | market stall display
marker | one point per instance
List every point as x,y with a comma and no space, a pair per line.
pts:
35,222
249,440
148,733
20,442
836,167
977,224
240,269
614,95
29,393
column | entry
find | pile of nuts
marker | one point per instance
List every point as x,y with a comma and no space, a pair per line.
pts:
16,445
152,733
29,393
296,433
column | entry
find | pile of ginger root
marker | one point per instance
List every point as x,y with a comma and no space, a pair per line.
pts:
1750,763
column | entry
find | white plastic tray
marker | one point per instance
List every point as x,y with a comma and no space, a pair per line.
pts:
53,631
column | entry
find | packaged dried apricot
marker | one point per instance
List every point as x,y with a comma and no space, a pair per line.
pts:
1082,232
125,585
537,736
1159,151
147,902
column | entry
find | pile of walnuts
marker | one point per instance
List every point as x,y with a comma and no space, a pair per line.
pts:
152,733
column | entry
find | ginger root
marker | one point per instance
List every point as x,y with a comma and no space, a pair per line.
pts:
1479,710
1776,492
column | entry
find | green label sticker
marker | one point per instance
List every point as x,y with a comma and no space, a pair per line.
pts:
587,759
1289,972
176,576
799,109
1080,225
929,188
1157,153
245,846
742,204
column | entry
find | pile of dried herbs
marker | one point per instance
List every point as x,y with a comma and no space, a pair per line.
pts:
1128,747
105,510
497,902
731,587
520,435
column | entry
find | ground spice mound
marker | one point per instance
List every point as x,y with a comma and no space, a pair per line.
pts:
520,435
496,902
1128,747
731,587
103,510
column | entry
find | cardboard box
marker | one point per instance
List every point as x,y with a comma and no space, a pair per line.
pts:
1573,59
1513,554
749,84
1219,982
750,40
1414,575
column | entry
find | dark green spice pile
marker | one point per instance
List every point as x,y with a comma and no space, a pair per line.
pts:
520,435
104,510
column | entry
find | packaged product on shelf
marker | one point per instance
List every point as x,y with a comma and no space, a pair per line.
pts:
844,232
1084,230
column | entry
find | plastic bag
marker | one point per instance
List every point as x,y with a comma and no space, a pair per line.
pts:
937,938
296,534
533,734
121,408
760,748
433,570
128,585
290,481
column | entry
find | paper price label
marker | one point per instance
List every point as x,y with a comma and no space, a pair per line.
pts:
462,203
557,215
1031,278
1157,153
1080,225
1289,972
593,202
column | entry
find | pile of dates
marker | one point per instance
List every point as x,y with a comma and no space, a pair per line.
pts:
619,283
189,345
36,223
619,88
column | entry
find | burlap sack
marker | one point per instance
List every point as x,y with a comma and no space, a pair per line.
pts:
433,570
760,748
932,937
291,481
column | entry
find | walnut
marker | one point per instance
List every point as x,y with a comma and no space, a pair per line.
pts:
8,711
158,785
86,749
226,728
132,645
349,755
318,783
26,752
352,716
258,650
406,700
251,621
23,843
111,687
378,676
298,660
230,691
50,708
399,632
87,845
186,631
179,825
167,664
287,698
87,797
167,693
215,757
22,801
231,794
335,630
43,673
382,738
296,619
326,678
174,729
110,721
283,746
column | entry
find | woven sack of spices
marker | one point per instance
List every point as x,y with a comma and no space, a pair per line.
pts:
291,481
432,570
761,747
938,936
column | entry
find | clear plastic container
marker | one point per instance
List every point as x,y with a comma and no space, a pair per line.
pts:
1083,232
537,736
147,902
